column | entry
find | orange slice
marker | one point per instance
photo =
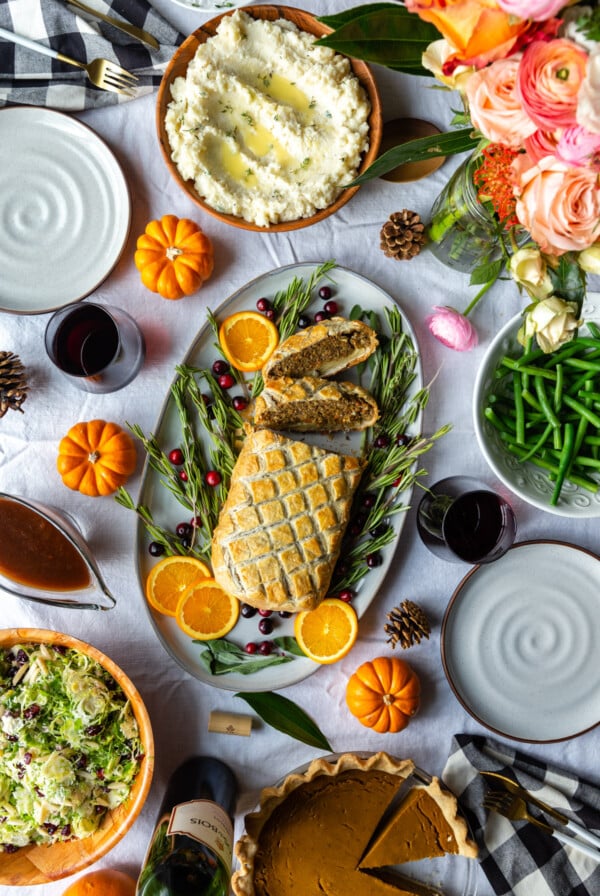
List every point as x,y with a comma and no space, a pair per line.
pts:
327,633
170,578
205,611
248,339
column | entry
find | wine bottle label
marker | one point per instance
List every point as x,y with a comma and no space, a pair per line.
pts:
206,822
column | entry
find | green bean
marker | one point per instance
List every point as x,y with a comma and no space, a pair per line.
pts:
519,409
532,371
566,456
594,329
558,387
594,419
540,391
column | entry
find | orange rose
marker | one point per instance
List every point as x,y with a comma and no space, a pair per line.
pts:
478,30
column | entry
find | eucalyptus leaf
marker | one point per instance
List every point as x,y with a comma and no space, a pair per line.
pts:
287,717
450,143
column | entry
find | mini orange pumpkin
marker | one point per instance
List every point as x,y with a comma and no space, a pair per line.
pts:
384,694
96,457
174,257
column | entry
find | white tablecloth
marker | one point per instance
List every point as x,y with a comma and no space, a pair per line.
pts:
178,704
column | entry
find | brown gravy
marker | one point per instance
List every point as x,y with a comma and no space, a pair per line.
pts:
34,552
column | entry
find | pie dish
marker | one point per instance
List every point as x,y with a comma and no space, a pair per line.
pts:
308,834
281,527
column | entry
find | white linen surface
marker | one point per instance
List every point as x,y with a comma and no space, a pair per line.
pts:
178,704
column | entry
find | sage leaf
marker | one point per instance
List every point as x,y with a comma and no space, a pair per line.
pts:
222,657
450,143
289,645
287,717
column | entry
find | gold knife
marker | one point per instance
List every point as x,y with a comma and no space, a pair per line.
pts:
513,787
132,30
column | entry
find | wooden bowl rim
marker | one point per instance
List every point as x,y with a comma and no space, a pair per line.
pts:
108,835
272,13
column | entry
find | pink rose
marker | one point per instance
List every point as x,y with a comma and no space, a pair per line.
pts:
452,328
549,78
559,205
536,10
579,147
494,105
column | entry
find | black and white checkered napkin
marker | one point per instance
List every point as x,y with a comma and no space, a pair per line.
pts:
29,78
517,858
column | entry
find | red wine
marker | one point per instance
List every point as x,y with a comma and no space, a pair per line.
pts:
86,341
475,525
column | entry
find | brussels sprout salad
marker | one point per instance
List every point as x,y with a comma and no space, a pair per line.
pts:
69,745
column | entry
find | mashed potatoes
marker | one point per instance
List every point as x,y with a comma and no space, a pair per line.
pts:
267,125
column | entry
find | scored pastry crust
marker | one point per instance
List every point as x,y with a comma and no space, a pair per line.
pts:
323,349
280,529
247,846
314,404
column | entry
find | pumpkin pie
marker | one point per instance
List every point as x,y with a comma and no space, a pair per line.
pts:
312,834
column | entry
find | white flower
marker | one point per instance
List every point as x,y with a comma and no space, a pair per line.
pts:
434,58
588,100
589,259
528,269
552,321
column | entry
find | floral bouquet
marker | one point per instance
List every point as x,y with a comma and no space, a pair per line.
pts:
528,73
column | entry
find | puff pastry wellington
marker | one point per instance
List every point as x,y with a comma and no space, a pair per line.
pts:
323,349
280,529
314,404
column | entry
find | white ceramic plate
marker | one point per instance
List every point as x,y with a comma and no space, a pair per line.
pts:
349,289
520,642
525,479
65,210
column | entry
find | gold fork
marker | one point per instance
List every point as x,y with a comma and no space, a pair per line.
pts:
101,72
515,809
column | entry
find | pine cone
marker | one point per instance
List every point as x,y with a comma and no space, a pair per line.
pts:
13,383
407,625
403,235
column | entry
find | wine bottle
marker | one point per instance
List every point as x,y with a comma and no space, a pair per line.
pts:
190,852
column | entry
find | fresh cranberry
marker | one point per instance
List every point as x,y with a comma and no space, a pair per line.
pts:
358,523
32,711
183,530
346,595
265,612
251,647
239,403
270,314
266,648
397,482
226,381
212,478
382,441
325,293
304,321
285,614
176,457
331,307
369,500
402,440
196,522
378,531
265,626
320,316
248,611
263,304
183,476
220,367
374,560
155,549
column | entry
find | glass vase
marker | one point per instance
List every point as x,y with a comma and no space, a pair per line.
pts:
462,233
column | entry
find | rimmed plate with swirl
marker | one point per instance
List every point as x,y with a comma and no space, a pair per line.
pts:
520,642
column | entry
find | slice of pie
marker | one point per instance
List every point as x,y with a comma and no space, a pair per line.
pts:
424,825
322,350
314,404
280,529
309,834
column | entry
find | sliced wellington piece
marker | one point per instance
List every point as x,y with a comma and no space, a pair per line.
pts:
426,824
322,350
314,404
280,529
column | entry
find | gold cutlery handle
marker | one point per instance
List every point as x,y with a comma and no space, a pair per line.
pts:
132,30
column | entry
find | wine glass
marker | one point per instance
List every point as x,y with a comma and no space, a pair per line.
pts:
461,519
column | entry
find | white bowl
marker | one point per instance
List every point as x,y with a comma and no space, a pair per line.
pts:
524,479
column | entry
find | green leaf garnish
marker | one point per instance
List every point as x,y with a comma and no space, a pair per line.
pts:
223,657
287,717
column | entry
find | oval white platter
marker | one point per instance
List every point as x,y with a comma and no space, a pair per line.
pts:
64,206
349,289
520,642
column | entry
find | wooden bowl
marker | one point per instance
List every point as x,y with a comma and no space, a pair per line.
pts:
44,864
178,68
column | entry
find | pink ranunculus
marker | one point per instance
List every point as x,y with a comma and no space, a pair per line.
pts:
494,105
541,144
452,328
549,79
559,205
536,10
588,101
577,146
